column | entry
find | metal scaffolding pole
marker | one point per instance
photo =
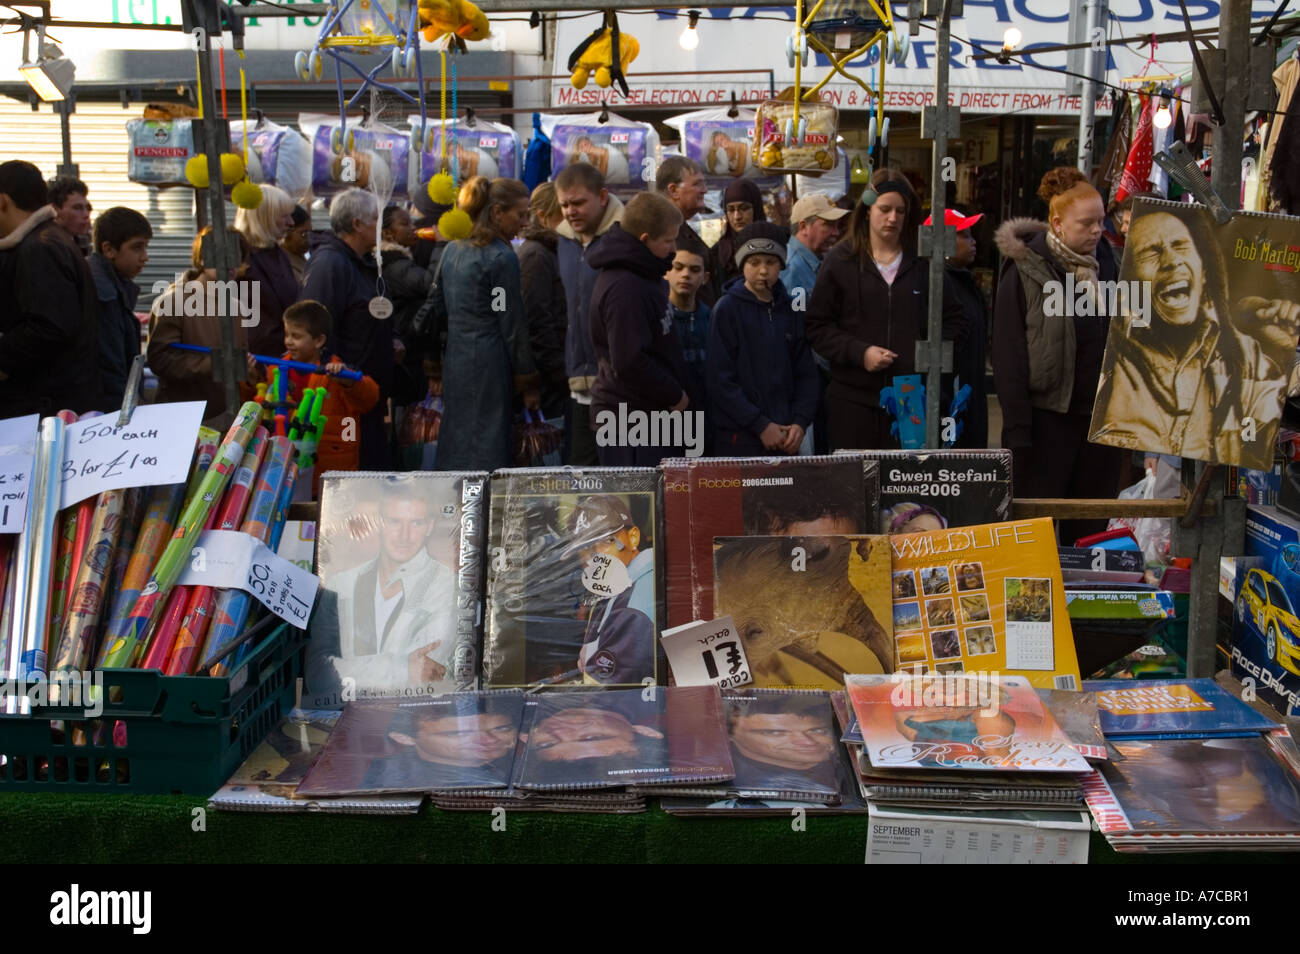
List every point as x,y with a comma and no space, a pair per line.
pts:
1224,532
938,123
219,253
1088,110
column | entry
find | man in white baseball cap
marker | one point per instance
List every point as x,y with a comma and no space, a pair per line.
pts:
814,221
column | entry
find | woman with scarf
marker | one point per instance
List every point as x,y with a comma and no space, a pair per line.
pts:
743,204
1046,368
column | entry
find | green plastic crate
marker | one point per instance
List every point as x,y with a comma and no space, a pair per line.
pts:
183,734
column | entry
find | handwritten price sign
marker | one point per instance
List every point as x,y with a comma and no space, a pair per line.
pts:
155,448
234,560
707,654
277,585
17,453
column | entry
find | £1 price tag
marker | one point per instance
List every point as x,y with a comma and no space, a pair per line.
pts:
707,653
236,560
284,588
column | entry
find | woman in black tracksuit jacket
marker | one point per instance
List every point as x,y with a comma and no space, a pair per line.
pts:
869,308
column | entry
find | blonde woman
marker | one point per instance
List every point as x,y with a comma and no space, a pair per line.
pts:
270,266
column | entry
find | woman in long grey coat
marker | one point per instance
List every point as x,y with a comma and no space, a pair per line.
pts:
488,354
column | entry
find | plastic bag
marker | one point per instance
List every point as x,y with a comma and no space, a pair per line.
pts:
626,152
417,436
1153,533
158,151
536,439
779,147
277,155
484,149
720,143
374,157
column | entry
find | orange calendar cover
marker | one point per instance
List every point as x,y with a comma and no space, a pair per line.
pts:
987,598
965,722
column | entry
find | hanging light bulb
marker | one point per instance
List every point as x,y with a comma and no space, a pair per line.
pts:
1164,115
690,38
1010,40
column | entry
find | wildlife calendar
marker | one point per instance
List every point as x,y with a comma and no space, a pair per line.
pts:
987,598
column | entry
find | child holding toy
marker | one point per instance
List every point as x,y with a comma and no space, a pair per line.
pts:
306,329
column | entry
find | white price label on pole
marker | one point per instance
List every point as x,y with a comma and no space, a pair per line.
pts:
234,560
154,449
17,456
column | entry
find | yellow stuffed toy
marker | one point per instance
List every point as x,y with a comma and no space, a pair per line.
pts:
606,53
460,19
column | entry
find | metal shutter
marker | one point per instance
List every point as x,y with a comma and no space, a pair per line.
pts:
99,147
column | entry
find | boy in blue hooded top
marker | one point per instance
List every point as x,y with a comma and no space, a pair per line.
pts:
763,384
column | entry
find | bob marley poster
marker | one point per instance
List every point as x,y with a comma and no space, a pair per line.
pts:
574,591
1198,360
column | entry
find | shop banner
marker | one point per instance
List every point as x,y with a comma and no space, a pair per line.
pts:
750,42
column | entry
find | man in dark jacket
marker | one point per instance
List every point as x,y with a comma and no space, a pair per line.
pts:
539,279
589,212
121,251
764,384
641,367
342,276
71,201
682,181
49,348
969,362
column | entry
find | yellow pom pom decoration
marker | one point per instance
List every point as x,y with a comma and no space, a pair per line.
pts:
232,168
196,171
455,224
246,195
442,189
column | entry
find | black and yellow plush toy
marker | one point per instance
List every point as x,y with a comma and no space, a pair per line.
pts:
606,52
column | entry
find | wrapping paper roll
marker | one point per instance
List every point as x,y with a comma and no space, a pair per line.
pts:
87,599
47,487
163,507
152,599
232,606
228,517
